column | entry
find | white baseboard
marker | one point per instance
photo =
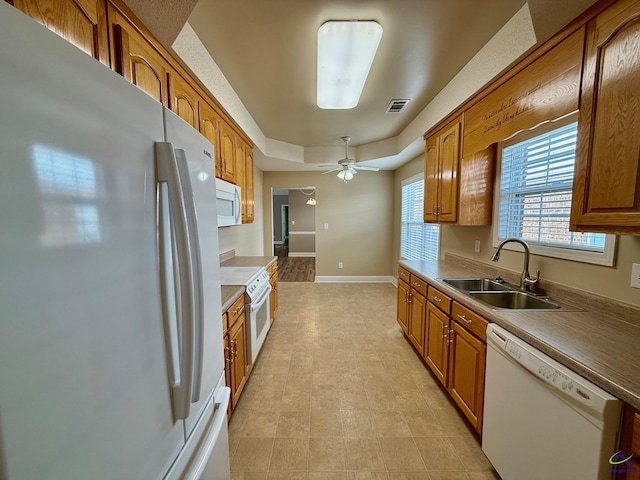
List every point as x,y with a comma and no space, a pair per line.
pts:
355,279
278,242
394,280
302,254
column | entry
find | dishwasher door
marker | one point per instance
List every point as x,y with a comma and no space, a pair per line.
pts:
542,420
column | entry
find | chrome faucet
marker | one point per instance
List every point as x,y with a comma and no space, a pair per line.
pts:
526,282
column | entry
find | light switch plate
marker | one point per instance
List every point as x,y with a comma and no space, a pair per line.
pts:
476,246
635,275
326,226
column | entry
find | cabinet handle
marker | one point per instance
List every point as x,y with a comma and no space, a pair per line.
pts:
409,295
444,331
436,299
464,319
230,359
235,350
416,284
450,336
433,209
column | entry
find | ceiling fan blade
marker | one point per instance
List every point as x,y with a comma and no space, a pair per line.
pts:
371,169
332,170
352,170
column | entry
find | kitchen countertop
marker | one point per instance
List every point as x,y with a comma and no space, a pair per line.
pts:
602,348
230,293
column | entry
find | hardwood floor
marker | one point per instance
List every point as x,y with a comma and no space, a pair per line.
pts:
294,269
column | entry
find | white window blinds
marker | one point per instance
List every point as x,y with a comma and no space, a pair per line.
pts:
535,192
418,240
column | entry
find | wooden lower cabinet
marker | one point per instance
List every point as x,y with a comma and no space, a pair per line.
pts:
436,345
417,309
403,306
629,444
235,350
273,296
467,359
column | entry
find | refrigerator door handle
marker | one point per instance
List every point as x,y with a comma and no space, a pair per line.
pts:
168,172
198,302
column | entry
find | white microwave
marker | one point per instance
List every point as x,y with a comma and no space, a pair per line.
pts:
228,203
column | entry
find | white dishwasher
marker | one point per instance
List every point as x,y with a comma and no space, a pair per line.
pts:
543,421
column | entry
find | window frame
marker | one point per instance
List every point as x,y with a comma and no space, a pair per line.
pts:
606,257
407,181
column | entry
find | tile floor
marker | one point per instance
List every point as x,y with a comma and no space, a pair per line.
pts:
339,394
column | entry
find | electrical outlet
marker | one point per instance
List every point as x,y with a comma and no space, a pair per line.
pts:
635,275
476,247
293,222
339,264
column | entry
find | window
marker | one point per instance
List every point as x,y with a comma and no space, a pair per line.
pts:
418,240
536,180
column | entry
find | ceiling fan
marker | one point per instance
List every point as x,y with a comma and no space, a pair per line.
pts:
347,167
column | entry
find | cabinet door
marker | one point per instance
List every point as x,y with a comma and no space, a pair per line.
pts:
273,296
606,188
227,152
449,150
403,307
467,358
436,345
241,149
210,129
183,99
417,320
431,179
238,346
80,22
247,194
228,366
135,58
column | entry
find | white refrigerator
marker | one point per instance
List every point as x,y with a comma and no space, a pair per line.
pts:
111,349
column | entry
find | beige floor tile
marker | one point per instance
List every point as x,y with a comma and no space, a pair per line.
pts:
353,400
328,475
470,452
260,423
376,382
296,400
326,399
484,475
290,454
357,423
363,453
390,424
438,453
423,423
248,475
368,476
400,454
409,476
267,400
411,400
448,475
252,454
382,400
277,475
298,382
326,423
326,453
293,423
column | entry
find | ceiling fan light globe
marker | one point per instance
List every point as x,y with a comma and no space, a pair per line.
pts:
341,174
348,175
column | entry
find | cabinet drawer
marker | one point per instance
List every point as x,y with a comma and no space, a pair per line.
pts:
235,310
439,299
419,285
403,274
635,441
470,320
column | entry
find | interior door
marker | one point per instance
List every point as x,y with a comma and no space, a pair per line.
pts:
85,390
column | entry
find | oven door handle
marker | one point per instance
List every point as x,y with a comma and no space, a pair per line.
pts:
263,298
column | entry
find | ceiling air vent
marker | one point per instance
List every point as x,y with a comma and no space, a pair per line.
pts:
396,105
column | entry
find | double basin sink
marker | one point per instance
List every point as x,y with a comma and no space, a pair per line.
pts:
501,295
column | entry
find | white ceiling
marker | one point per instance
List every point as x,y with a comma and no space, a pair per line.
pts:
266,51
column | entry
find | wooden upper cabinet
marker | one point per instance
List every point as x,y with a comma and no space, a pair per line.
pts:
210,129
81,22
227,152
442,155
135,57
247,193
183,99
241,149
606,188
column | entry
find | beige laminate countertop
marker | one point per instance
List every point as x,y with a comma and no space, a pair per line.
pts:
602,349
230,293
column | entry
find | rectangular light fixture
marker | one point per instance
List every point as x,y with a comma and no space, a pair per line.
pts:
345,53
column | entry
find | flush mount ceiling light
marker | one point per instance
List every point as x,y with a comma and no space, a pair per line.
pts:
345,53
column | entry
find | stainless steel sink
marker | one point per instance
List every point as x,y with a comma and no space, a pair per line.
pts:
476,284
515,300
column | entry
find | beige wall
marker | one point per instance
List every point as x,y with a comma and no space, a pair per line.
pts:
611,282
302,214
302,243
360,218
247,239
